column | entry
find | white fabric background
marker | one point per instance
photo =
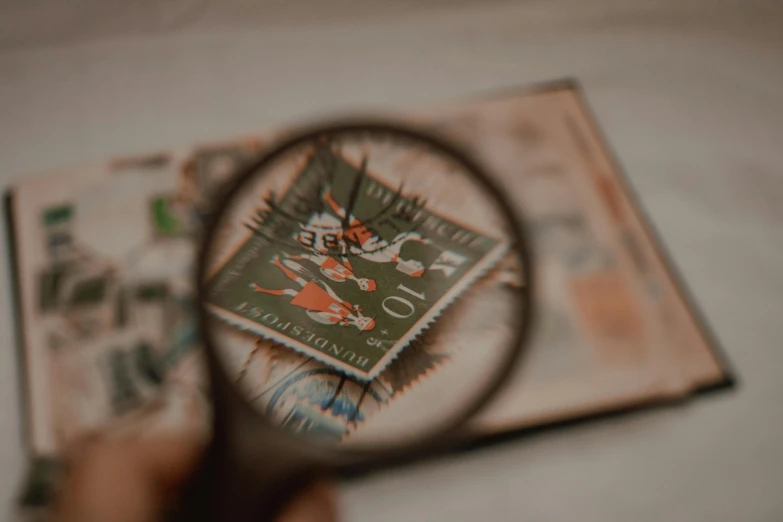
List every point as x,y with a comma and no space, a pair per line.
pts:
690,95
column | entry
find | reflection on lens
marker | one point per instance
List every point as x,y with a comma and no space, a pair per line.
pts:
374,277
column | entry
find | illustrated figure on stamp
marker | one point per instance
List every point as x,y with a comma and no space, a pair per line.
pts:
335,270
322,304
324,234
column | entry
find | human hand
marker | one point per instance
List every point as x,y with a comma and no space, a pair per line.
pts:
135,481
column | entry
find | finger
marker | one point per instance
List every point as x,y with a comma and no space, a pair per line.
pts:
315,504
126,481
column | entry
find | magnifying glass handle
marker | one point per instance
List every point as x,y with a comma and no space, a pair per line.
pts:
241,490
250,469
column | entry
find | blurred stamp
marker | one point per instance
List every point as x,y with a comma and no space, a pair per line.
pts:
608,309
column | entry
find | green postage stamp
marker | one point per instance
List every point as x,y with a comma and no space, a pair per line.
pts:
346,268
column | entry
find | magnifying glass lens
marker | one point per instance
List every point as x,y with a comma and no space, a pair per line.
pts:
366,287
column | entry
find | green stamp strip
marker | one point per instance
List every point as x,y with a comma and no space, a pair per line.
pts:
345,268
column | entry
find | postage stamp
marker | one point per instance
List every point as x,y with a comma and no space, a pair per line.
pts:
345,267
308,397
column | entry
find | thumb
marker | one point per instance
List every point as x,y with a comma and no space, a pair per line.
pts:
126,481
314,504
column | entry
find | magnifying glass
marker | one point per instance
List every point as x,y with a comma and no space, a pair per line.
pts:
388,282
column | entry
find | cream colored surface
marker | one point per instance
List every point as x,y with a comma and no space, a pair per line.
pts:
690,95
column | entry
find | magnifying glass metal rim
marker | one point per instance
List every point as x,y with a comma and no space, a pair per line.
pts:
431,441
